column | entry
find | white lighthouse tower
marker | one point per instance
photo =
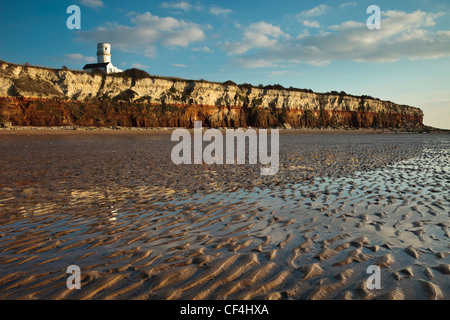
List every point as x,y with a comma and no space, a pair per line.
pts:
103,52
103,60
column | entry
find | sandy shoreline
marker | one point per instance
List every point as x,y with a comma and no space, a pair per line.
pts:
140,227
162,129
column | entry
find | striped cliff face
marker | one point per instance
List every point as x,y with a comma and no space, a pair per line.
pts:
42,96
55,112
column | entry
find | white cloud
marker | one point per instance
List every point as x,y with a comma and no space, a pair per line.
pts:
304,16
347,4
217,11
276,73
303,35
255,63
95,4
202,49
146,32
139,66
78,58
179,65
257,35
348,25
182,5
402,36
314,12
311,24
267,29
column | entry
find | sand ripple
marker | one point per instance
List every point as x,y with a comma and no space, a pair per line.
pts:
142,228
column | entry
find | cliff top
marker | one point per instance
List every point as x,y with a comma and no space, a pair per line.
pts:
8,69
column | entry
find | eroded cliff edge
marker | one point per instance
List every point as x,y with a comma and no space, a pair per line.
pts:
55,97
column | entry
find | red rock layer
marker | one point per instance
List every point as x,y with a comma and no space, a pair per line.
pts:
57,112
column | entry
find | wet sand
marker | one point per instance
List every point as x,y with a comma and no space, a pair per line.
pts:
140,227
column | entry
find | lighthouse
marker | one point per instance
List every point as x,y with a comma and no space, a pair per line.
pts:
103,52
103,60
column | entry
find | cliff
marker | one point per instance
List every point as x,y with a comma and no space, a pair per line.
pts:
43,96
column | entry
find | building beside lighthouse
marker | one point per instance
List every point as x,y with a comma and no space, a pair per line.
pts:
103,60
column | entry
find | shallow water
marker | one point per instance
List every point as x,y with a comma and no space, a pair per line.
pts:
141,227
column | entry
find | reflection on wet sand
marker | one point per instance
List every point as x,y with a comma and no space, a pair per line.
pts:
141,227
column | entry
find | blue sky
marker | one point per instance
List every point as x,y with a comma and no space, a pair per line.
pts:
318,45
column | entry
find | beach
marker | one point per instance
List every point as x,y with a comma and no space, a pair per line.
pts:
140,227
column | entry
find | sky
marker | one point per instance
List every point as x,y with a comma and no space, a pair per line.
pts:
319,45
